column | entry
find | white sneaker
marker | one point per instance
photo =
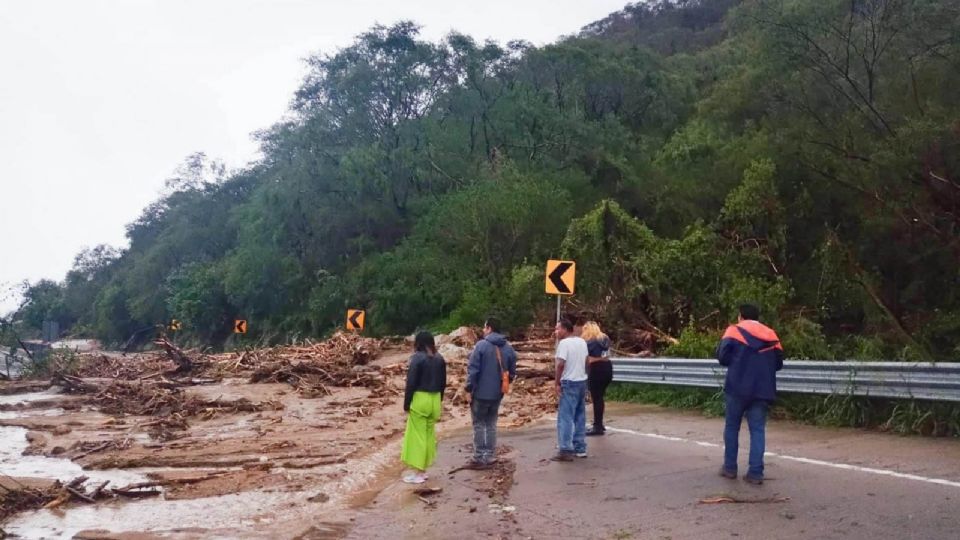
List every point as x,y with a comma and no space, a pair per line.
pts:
581,454
414,478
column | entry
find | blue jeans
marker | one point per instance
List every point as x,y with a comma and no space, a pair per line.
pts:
484,414
572,417
756,413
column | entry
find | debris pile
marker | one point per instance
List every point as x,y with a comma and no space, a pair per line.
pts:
342,361
21,498
497,479
146,399
17,497
158,397
532,393
99,365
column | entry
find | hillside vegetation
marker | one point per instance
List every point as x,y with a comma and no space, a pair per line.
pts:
802,154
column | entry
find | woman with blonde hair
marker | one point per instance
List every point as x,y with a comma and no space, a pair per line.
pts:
599,372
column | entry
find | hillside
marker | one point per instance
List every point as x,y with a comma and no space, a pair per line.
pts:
800,154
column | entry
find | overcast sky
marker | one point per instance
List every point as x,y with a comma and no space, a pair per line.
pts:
101,100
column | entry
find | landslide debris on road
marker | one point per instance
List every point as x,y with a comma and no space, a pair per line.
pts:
286,419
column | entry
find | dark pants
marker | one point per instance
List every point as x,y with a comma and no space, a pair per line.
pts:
599,376
484,413
756,413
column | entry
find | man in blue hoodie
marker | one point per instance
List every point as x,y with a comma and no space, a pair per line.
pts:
753,355
491,357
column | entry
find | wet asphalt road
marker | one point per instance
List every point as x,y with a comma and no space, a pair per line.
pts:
648,476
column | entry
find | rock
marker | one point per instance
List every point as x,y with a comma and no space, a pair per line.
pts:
319,498
57,450
38,442
61,430
451,351
463,337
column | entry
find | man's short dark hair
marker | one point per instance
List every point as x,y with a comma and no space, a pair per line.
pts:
493,323
567,324
749,312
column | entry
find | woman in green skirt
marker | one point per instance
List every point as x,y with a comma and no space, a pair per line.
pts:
426,381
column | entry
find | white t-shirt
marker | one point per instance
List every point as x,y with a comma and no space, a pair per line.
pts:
573,351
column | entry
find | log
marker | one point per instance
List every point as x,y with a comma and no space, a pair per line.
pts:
77,482
82,496
93,450
136,494
99,490
531,372
179,357
64,497
173,481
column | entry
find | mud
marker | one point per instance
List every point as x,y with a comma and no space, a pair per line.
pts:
283,443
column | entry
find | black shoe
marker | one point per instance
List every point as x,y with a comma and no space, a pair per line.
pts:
562,456
594,432
755,480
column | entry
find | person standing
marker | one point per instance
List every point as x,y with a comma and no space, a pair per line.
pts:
753,355
599,372
491,358
571,384
426,381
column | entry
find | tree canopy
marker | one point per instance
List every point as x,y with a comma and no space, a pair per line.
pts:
690,154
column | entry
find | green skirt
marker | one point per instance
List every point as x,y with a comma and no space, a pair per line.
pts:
419,441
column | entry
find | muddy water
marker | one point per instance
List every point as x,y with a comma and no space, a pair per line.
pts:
283,512
252,514
13,441
16,399
231,513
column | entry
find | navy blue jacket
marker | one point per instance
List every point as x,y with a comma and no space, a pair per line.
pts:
753,355
599,348
483,370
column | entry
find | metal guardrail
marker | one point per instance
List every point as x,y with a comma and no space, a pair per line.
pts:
916,380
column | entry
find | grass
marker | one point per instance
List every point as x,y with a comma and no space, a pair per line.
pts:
907,417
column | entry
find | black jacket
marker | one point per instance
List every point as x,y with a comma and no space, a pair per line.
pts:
425,374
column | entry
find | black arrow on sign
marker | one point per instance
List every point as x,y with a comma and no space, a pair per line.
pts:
556,277
353,319
241,327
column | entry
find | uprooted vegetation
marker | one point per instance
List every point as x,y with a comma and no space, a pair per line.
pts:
262,413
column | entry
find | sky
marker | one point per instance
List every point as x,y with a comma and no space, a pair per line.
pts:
100,101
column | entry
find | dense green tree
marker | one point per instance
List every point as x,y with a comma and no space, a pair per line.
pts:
689,154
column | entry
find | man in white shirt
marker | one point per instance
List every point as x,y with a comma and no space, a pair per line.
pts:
571,377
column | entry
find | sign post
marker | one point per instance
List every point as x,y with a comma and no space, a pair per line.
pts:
560,280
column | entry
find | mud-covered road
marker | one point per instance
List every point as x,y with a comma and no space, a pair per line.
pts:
303,443
289,443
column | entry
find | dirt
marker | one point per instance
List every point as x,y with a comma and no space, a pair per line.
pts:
304,436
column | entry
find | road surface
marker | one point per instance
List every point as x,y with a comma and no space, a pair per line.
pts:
646,479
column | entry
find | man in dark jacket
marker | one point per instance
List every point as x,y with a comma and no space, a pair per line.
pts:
491,357
752,355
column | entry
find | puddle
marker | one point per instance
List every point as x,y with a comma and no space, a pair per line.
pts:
9,415
16,399
242,510
251,514
13,442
